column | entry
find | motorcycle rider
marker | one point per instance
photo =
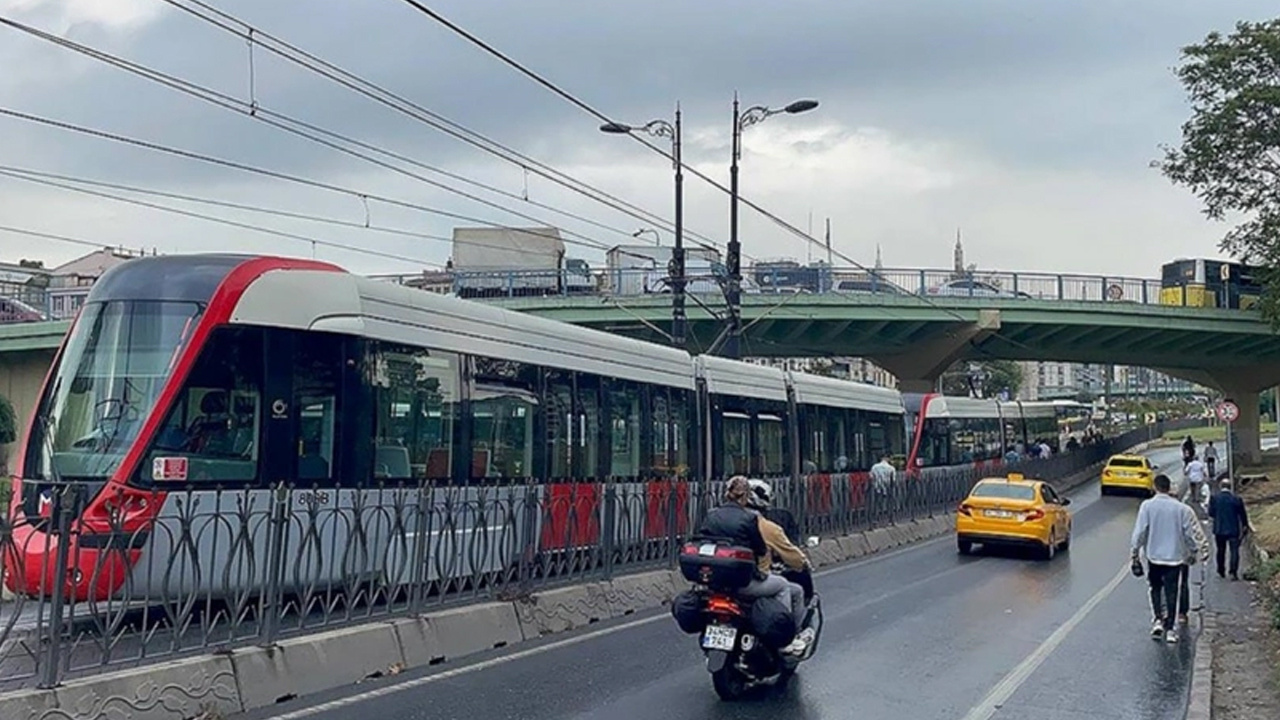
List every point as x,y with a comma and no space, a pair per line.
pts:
789,553
733,522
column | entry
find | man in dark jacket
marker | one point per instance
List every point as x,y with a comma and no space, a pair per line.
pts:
1230,522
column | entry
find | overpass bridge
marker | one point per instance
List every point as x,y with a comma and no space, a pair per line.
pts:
915,323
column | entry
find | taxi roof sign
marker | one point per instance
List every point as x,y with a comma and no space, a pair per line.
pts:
1016,477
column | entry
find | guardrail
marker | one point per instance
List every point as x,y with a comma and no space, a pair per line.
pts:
217,569
824,280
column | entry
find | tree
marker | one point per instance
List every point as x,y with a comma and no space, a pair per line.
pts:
1230,152
986,378
8,422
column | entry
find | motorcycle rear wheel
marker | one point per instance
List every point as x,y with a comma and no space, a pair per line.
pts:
730,685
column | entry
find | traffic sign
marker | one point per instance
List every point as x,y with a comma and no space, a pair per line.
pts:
1228,411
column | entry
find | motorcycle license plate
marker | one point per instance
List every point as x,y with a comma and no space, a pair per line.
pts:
719,637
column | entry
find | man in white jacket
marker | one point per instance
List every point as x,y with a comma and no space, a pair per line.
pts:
1171,537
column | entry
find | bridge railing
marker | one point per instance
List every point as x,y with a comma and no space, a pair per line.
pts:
221,568
819,280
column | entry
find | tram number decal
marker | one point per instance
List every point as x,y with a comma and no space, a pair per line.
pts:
169,468
313,498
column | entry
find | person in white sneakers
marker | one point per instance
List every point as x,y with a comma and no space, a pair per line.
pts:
1166,532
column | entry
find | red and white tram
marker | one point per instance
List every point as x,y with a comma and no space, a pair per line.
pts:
199,385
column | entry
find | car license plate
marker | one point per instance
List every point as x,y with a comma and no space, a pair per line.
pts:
998,513
719,637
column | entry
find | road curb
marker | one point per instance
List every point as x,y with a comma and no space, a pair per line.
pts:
1200,702
252,678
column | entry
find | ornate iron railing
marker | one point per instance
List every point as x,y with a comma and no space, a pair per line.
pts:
217,568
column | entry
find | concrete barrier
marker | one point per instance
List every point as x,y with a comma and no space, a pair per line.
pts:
473,628
419,643
630,593
320,661
177,690
561,610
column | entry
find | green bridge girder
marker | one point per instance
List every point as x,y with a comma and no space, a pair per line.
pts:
1204,344
1208,345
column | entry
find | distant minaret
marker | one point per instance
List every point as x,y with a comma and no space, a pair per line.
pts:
959,255
879,260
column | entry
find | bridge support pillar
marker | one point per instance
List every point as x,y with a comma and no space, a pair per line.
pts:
918,370
1244,386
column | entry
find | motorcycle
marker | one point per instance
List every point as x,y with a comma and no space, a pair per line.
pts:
737,658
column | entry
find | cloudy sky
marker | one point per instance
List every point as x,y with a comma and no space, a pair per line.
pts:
1028,124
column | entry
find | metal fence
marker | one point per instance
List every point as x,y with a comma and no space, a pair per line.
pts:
216,569
822,280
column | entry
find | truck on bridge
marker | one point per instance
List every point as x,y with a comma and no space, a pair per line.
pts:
504,261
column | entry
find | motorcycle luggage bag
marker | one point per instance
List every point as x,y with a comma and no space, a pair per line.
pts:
686,608
718,565
773,622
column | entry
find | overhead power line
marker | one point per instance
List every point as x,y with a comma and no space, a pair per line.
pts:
221,221
288,124
256,37
585,107
362,196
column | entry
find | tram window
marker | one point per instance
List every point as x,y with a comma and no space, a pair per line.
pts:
587,431
624,429
680,429
837,429
877,439
504,403
772,434
559,423
317,382
501,432
215,421
662,437
737,443
416,395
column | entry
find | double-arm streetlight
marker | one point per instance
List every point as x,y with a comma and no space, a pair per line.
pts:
676,268
733,296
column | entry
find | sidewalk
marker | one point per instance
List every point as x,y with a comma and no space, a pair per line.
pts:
1246,663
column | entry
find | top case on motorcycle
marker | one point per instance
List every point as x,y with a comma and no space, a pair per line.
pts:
718,565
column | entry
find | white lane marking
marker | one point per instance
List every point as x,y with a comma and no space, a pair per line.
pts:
1007,686
521,654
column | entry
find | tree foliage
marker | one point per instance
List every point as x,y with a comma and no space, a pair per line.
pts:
986,378
1230,152
8,422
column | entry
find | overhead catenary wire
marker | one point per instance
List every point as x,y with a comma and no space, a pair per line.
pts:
359,195
279,120
257,37
599,115
222,221
25,173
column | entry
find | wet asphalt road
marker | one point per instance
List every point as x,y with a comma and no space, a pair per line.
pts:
918,634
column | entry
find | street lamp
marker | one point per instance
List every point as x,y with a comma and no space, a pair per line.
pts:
741,121
676,268
657,239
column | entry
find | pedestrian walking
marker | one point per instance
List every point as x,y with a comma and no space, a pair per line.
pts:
1165,532
1211,458
1196,474
1230,524
882,481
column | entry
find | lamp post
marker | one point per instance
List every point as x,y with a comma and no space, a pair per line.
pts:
733,296
657,239
676,268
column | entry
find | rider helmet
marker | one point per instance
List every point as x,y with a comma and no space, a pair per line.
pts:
762,494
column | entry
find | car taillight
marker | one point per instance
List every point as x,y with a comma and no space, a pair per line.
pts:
1033,514
966,509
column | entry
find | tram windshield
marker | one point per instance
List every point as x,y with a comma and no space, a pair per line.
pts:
107,382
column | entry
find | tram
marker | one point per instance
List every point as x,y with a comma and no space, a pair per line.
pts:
949,431
212,379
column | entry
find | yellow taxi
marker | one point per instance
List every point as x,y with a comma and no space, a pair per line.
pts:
1129,473
1014,511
